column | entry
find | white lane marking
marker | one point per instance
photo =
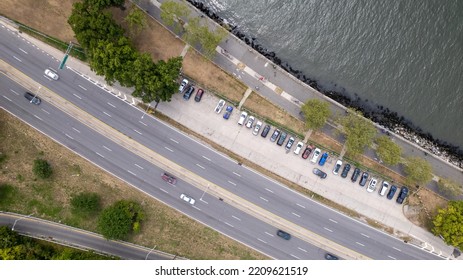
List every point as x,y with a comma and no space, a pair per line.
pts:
360,244
14,92
302,249
365,235
131,173
263,199
202,167
107,148
204,201
82,87
75,129
196,208
139,166
99,154
333,221
114,106
169,149
77,96
294,256
17,58
229,224
396,249
261,240
302,206
163,190
106,114
48,78
268,190
237,174
23,50
236,218
45,111
328,229
7,98
137,132
38,117
296,214
232,183
391,257
175,141
269,234
206,158
68,136
143,123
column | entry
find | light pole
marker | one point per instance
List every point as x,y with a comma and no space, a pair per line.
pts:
37,93
150,252
204,193
15,221
145,111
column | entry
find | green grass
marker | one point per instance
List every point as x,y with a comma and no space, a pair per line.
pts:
8,195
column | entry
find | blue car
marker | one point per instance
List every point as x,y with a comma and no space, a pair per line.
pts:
391,192
228,112
323,159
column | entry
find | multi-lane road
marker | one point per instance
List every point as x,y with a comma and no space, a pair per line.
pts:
183,151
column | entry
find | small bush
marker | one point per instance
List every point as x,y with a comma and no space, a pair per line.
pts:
42,169
7,194
86,203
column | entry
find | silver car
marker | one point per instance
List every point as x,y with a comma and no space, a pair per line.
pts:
187,199
219,106
51,74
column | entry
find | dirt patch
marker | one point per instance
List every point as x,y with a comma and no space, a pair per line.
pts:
422,206
327,142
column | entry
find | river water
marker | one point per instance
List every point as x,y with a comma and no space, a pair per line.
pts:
406,55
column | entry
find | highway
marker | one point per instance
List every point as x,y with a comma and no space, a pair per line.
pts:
189,154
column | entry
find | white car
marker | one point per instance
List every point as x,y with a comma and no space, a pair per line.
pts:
51,74
298,148
219,106
242,118
337,166
384,188
187,199
372,185
183,84
250,121
257,128
315,155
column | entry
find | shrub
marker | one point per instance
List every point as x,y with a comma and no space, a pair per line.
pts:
42,169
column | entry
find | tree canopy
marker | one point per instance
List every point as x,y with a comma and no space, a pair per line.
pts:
316,113
359,132
449,187
173,12
120,219
448,223
418,171
388,151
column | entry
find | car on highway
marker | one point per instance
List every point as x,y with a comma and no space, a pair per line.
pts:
219,106
315,155
243,117
275,135
51,74
168,178
183,84
331,257
250,121
372,185
188,92
265,131
402,195
298,147
345,170
257,127
384,188
290,143
307,151
337,166
199,95
363,179
32,98
323,159
283,234
391,192
228,112
355,175
282,138
188,199
319,173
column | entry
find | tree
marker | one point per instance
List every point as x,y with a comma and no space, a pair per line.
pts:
418,171
388,151
359,131
172,14
136,20
118,220
86,203
448,223
209,40
449,187
316,113
42,169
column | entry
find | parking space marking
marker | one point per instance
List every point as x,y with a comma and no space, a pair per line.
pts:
328,229
81,87
107,148
206,158
396,249
268,190
170,150
45,111
232,183
237,174
294,256
38,117
99,154
175,141
131,173
305,251
75,129
68,136
163,190
365,235
261,240
7,98
114,106
138,132
106,114
236,218
360,244
333,221
17,58
269,234
139,166
143,123
202,167
77,96
22,50
230,225
296,214
14,92
391,257
302,206
263,199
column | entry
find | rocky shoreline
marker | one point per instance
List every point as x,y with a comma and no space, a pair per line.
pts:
383,116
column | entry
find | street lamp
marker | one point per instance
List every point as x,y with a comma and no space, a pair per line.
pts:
150,252
204,193
14,224
37,93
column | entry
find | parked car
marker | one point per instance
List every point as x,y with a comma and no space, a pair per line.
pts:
355,175
322,160
345,170
337,166
298,147
319,173
384,188
256,129
265,131
307,151
168,178
330,257
228,112
219,106
363,179
282,138
391,192
242,118
315,155
250,121
51,74
402,195
199,95
283,234
32,98
290,143
188,92
183,84
275,135
372,185
187,199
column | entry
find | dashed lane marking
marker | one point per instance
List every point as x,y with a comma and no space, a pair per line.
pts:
163,190
131,173
305,251
236,218
294,256
17,58
206,158
360,244
173,140
391,257
139,166
7,98
138,132
143,123
45,111
170,150
106,114
99,154
38,117
77,96
22,50
202,167
232,183
296,214
196,208
107,148
333,221
75,129
269,234
363,234
237,174
262,241
14,92
82,87
68,136
302,206
114,106
397,249
328,229
263,199
230,225
268,190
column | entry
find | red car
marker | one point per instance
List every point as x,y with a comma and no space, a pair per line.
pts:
169,178
199,95
307,152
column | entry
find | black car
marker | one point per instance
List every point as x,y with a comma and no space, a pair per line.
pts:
345,170
275,135
319,173
391,192
355,175
330,257
282,138
363,179
265,131
32,98
188,92
402,195
283,234
199,95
